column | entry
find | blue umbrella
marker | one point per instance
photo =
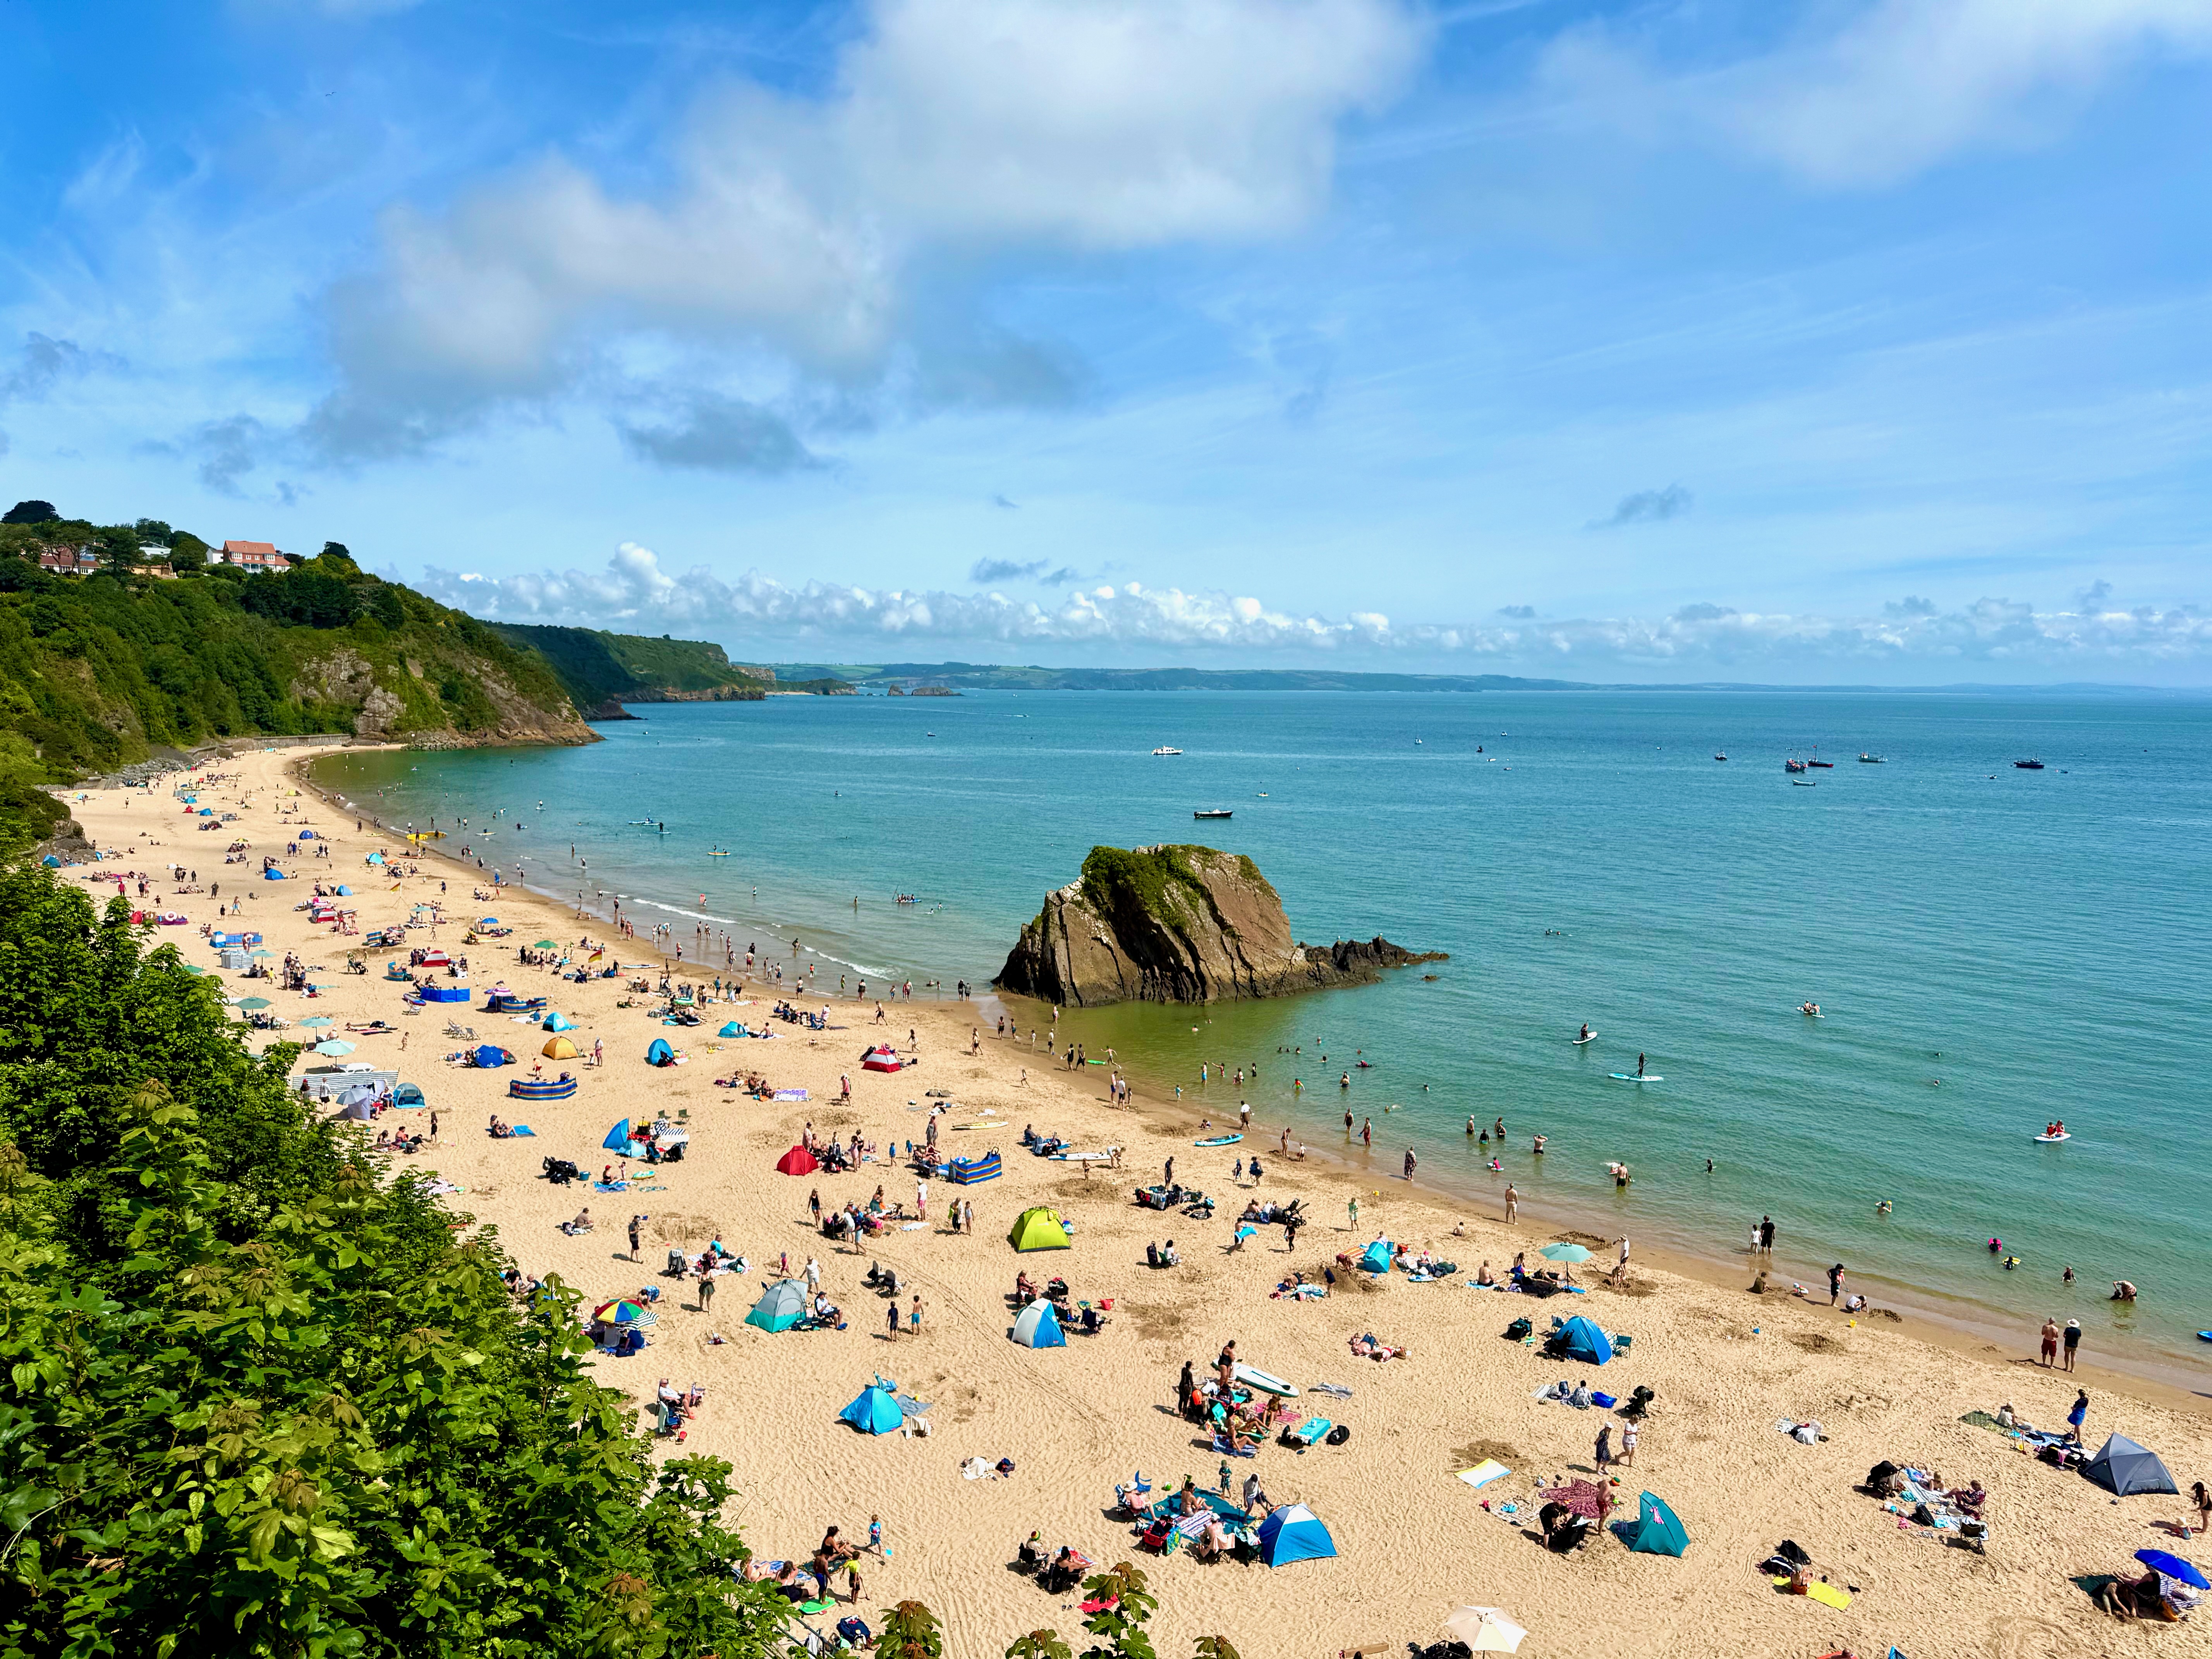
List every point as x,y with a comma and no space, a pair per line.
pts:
2173,1567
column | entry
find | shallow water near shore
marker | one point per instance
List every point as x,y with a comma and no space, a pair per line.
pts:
1992,948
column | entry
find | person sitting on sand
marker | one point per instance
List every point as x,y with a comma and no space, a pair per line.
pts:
582,1223
1971,1498
1484,1276
1025,1290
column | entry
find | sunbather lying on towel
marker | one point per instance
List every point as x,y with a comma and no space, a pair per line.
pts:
1366,1347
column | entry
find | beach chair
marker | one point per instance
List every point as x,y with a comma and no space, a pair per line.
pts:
1134,1497
1307,1433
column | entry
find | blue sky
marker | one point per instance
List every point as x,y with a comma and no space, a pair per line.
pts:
1858,341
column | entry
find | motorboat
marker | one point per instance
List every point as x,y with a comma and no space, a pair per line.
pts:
1164,749
1871,760
2029,765
1817,761
1210,812
1793,765
1720,755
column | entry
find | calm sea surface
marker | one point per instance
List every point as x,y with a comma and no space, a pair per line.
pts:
1993,948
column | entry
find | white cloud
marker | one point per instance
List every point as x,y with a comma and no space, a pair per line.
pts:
1898,86
1992,638
952,125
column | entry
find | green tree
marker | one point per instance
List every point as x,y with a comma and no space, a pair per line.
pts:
910,1632
118,547
336,560
153,532
1215,1647
1120,1622
1039,1644
30,511
260,1396
188,551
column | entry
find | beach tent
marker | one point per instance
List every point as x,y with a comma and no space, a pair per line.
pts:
558,1048
618,1137
1656,1531
559,1022
1377,1260
345,891
1038,1327
660,1053
489,1055
733,1030
881,1059
359,1112
966,1171
875,1412
360,1094
1293,1533
1580,1340
798,1161
272,875
1038,1229
374,858
407,1094
781,1305
52,861
306,835
2123,1467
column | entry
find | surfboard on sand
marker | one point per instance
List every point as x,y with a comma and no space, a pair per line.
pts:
1630,1077
1253,1377
1219,1140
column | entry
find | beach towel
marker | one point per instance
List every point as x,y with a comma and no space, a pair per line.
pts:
790,1094
522,1129
1826,1595
1336,1389
1483,1472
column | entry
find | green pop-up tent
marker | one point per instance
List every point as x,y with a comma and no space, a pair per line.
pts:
781,1305
1038,1229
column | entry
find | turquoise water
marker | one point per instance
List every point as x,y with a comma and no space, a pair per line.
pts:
1993,948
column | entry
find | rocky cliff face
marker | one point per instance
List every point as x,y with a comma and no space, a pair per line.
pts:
1178,924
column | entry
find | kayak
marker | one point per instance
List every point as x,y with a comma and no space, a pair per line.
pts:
1219,1140
2063,1134
1630,1077
1252,1377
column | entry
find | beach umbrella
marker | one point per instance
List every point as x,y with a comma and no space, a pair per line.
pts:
2173,1567
487,921
319,1019
255,1002
1564,1253
545,944
265,954
359,1112
333,1046
360,1094
622,1311
1486,1630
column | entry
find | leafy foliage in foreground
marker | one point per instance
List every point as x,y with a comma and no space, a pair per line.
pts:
255,1399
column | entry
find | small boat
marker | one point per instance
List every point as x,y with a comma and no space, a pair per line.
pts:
1817,761
1870,760
1803,783
1720,755
2029,765
1793,764
1164,749
1212,812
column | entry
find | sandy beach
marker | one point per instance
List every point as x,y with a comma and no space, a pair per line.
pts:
1413,1541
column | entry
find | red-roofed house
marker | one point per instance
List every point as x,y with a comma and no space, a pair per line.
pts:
69,561
255,555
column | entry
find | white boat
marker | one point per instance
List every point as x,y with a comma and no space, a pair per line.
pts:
1164,749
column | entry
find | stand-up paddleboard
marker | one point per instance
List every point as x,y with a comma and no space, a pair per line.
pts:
1219,1140
1630,1077
1578,1041
1253,1377
2063,1134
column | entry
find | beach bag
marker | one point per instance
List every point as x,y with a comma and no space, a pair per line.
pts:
1340,1434
1518,1330
1878,1477
1794,1552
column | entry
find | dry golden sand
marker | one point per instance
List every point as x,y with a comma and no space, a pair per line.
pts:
1412,1542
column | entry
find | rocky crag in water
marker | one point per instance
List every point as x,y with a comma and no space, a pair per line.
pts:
1178,924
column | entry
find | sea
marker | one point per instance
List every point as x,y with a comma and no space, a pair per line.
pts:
1992,949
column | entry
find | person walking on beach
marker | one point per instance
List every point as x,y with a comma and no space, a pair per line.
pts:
893,1321
1410,1162
2073,1334
1244,1115
1603,1455
1628,1433
1512,1201
814,1207
1766,1234
706,1284
1347,1123
1367,1132
922,1200
2078,1416
635,1222
2049,1341
1835,1283
914,1316
1351,1209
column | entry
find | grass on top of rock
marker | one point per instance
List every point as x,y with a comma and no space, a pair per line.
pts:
1157,882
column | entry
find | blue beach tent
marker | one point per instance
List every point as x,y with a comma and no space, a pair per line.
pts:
2124,1469
1377,1258
407,1094
1293,1533
272,875
660,1053
1038,1327
559,1022
1580,1340
618,1138
733,1030
875,1412
1655,1530
487,1055
345,891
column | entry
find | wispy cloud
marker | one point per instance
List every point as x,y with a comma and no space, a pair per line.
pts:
987,571
716,434
1992,637
1645,507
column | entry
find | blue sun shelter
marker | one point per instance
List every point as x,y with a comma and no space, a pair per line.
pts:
1378,1257
557,1022
619,1140
1656,1531
486,1055
1293,1533
731,1029
1580,1340
660,1053
876,1412
1038,1327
